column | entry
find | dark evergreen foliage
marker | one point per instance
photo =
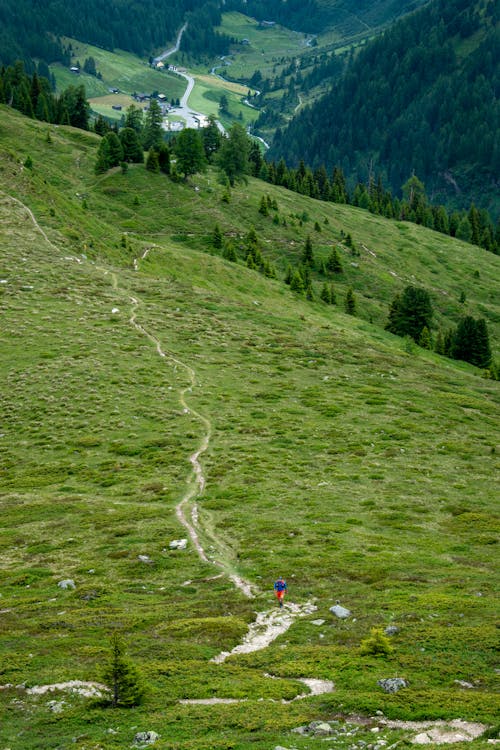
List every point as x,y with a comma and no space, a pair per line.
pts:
410,313
122,677
408,103
471,342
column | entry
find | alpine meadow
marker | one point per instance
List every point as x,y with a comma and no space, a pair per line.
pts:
218,370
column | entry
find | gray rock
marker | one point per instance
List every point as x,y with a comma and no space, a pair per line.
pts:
68,583
301,730
391,630
146,738
321,729
392,684
145,559
340,611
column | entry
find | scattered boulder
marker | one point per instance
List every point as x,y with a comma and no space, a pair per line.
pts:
321,729
317,622
340,611
68,583
464,684
146,738
392,684
391,630
178,544
145,559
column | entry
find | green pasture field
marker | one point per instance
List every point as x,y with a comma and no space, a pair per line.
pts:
206,95
265,49
361,469
119,69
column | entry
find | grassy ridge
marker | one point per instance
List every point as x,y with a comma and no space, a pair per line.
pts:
361,471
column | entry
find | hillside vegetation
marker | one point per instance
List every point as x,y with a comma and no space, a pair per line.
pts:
414,101
334,453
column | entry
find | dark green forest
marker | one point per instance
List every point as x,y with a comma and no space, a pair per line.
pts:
349,17
32,30
421,99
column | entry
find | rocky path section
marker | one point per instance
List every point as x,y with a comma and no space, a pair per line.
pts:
266,628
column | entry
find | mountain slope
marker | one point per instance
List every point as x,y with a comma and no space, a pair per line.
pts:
360,470
415,100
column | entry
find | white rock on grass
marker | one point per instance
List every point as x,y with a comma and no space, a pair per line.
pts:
178,544
145,738
68,583
340,611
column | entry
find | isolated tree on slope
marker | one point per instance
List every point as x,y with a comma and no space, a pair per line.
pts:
233,154
410,313
122,677
189,152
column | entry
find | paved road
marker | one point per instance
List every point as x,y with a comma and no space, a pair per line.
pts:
193,119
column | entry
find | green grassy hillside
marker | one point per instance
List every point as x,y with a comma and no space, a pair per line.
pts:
361,471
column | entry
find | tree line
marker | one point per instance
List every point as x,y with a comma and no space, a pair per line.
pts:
31,30
33,95
474,225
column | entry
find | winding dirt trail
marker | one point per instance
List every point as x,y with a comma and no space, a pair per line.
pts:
268,625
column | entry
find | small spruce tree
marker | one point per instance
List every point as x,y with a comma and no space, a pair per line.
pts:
350,302
217,237
263,209
297,282
377,644
425,340
308,254
122,677
325,293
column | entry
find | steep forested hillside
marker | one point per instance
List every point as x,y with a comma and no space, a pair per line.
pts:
347,16
29,29
422,98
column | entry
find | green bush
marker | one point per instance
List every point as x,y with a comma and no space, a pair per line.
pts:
377,644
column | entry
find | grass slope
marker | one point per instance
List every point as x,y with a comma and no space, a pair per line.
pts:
361,471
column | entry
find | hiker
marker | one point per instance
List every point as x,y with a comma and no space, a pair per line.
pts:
280,589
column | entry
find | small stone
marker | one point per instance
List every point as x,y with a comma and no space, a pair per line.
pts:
391,630
322,729
392,684
317,622
144,558
68,583
464,684
146,738
178,544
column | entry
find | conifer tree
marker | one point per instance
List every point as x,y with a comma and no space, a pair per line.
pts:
308,254
132,149
350,302
333,263
164,158
297,282
122,677
325,293
217,237
263,207
152,164
153,133
425,340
